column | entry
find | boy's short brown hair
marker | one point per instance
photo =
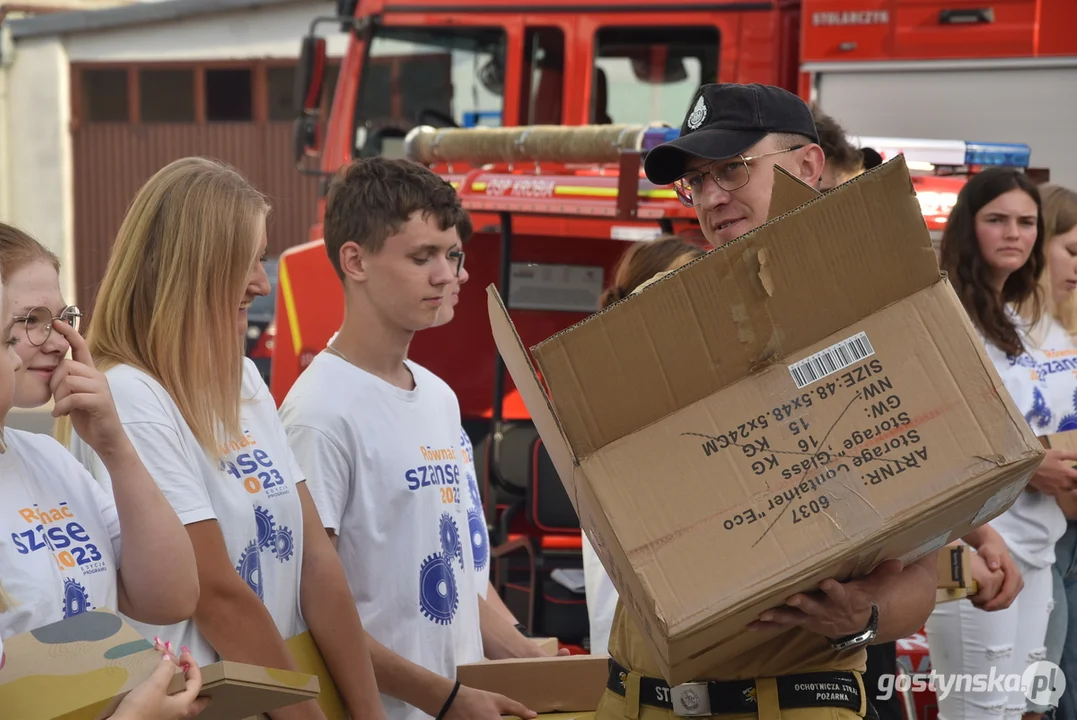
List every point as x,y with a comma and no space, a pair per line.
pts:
371,199
837,149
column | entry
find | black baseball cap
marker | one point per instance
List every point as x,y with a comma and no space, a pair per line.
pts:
724,120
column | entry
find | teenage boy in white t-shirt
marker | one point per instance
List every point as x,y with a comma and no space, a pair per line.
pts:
378,438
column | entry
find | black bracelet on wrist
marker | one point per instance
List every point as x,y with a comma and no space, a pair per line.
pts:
448,703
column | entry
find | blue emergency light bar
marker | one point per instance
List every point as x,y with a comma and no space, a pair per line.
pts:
932,151
656,136
1002,154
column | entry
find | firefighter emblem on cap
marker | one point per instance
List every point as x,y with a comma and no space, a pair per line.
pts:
699,114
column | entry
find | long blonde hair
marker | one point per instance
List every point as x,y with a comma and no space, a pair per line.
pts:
1059,217
171,293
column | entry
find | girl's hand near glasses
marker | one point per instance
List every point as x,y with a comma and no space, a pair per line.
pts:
81,392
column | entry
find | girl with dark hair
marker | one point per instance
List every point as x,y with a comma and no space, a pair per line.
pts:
994,251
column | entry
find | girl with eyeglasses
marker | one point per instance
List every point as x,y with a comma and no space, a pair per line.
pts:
33,286
66,546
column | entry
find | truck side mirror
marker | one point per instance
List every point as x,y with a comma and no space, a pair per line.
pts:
646,70
309,78
346,9
385,141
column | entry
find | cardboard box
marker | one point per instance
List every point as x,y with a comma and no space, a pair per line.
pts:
1061,441
951,594
82,668
240,691
802,403
548,645
572,683
955,567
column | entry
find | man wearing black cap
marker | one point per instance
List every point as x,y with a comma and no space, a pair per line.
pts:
721,165
722,162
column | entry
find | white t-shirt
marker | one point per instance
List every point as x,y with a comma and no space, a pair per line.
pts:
251,493
476,517
384,467
59,535
1043,384
601,599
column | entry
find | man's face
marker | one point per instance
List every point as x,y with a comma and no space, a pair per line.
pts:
726,215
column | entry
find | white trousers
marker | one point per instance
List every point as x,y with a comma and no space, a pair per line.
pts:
964,640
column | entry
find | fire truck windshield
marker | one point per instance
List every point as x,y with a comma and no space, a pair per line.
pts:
646,75
431,76
641,75
455,77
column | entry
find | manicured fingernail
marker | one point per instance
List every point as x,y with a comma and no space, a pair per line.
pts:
156,640
186,666
184,649
168,646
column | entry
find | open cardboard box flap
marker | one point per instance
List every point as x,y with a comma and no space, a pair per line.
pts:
730,434
81,668
788,193
737,310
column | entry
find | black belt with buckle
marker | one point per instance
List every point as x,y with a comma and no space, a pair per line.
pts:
700,699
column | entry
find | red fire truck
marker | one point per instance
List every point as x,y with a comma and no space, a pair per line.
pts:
550,231
895,68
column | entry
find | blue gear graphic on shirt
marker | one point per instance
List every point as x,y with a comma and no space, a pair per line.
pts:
284,544
438,598
1069,422
250,568
76,599
1040,414
473,489
468,468
266,527
450,539
480,538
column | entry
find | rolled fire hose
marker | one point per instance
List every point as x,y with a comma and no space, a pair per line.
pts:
526,144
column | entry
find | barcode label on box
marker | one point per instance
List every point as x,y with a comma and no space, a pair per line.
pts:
835,358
